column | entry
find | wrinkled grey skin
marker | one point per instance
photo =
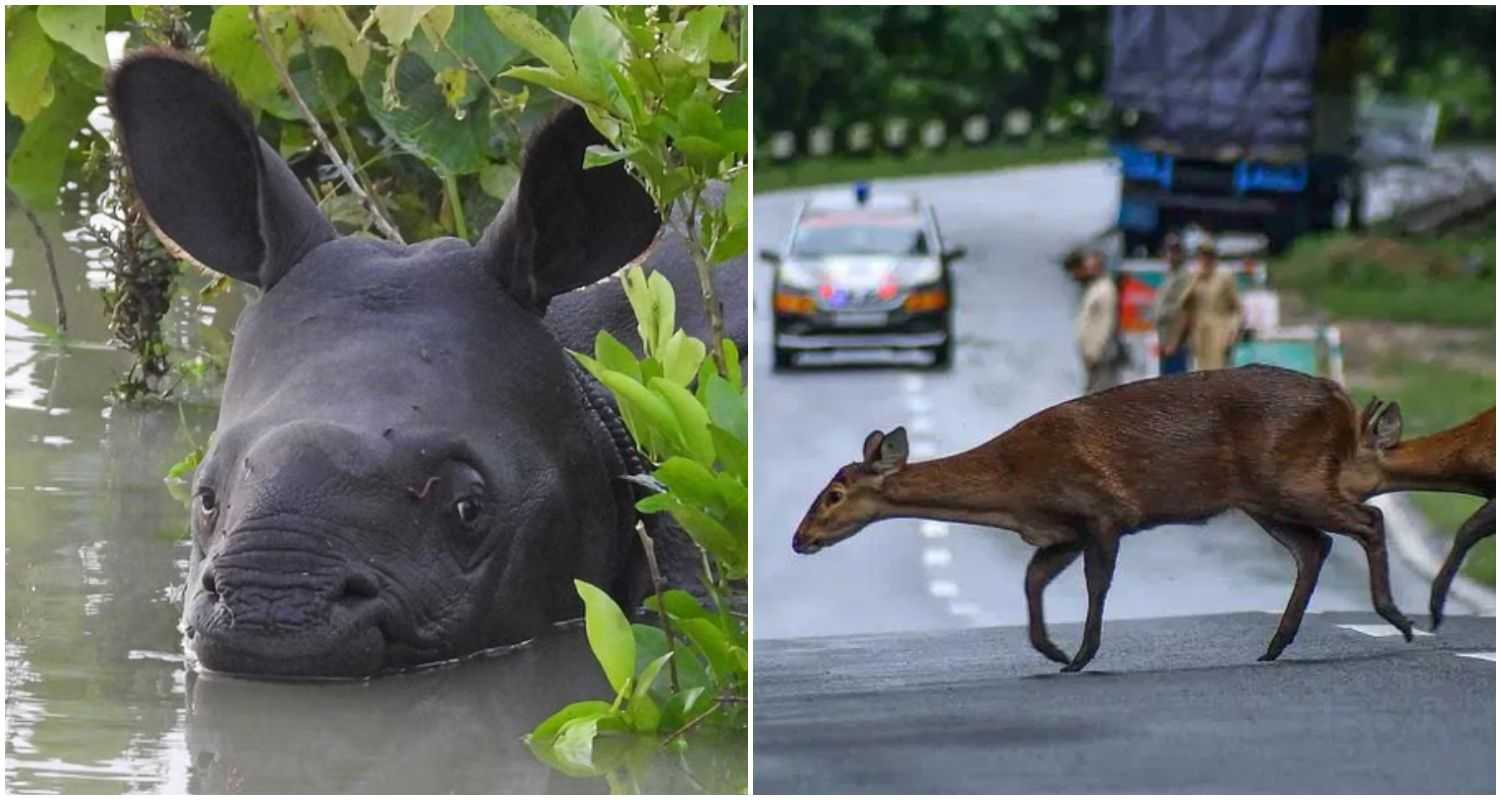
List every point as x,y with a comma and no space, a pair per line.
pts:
406,467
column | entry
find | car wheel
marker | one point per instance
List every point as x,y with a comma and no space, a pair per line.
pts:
784,359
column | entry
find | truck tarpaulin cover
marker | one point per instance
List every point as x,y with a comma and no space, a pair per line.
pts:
1209,77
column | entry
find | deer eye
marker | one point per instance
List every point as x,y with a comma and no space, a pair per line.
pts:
835,496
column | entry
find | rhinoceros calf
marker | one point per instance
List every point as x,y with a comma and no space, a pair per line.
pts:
407,466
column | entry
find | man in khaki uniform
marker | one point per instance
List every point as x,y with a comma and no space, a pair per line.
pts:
1215,312
1172,318
1094,326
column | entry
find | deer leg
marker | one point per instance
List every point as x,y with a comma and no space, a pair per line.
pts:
1309,547
1476,527
1098,571
1045,564
1367,525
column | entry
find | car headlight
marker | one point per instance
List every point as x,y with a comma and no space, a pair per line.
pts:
921,273
796,275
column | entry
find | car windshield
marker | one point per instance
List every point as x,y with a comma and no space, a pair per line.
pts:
890,236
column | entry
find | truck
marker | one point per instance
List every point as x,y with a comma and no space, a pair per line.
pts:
1235,118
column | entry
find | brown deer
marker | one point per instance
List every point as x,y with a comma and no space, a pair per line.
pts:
1276,444
1460,459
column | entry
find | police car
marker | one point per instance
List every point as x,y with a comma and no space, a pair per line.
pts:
863,271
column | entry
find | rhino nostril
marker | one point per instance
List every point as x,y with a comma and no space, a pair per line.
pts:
359,585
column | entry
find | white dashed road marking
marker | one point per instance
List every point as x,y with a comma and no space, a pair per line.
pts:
1381,631
942,588
1490,657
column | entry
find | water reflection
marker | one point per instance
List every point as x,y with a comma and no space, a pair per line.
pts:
98,698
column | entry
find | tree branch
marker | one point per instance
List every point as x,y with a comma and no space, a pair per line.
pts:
381,222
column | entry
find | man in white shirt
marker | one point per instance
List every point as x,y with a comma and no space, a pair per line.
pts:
1095,324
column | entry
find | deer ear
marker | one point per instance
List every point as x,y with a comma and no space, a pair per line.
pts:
872,447
1385,431
207,180
893,451
564,226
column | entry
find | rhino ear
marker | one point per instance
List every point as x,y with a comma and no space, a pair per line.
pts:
564,226
207,180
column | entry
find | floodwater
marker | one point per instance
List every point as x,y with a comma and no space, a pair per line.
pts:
99,698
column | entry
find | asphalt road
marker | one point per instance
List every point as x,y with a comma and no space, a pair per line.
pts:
1168,705
1014,357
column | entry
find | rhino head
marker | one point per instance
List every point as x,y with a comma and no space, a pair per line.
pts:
405,469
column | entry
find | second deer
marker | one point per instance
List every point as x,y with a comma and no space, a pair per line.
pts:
1283,447
1460,459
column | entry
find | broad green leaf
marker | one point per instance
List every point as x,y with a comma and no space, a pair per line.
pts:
524,30
565,85
721,48
690,483
34,170
732,364
713,537
597,46
699,33
666,307
701,152
574,745
28,60
692,419
678,603
78,27
726,407
710,640
652,409
454,83
601,155
681,356
733,454
733,240
644,712
236,55
616,356
609,634
469,38
435,23
424,125
549,727
497,180
398,22
331,26
651,644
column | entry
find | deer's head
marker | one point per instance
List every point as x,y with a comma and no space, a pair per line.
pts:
852,499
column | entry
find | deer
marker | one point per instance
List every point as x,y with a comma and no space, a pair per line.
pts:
1288,449
1460,459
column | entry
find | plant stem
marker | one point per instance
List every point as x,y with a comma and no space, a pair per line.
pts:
691,724
666,623
41,235
381,222
450,188
689,230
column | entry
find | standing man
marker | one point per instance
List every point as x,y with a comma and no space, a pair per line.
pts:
1171,315
1213,305
1094,326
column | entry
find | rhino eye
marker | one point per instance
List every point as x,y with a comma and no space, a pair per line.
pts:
468,510
208,503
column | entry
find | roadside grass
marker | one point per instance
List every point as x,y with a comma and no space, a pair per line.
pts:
1447,280
1434,397
770,176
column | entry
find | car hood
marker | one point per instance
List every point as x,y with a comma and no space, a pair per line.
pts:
863,272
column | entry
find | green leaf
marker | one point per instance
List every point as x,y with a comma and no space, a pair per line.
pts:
732,364
471,36
733,454
78,27
690,483
597,46
615,355
34,170
681,356
601,155
609,635
726,408
565,85
399,22
424,125
497,180
523,29
678,603
331,26
692,419
701,152
701,27
182,471
236,55
574,745
643,710
650,407
28,59
712,536
549,727
711,641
